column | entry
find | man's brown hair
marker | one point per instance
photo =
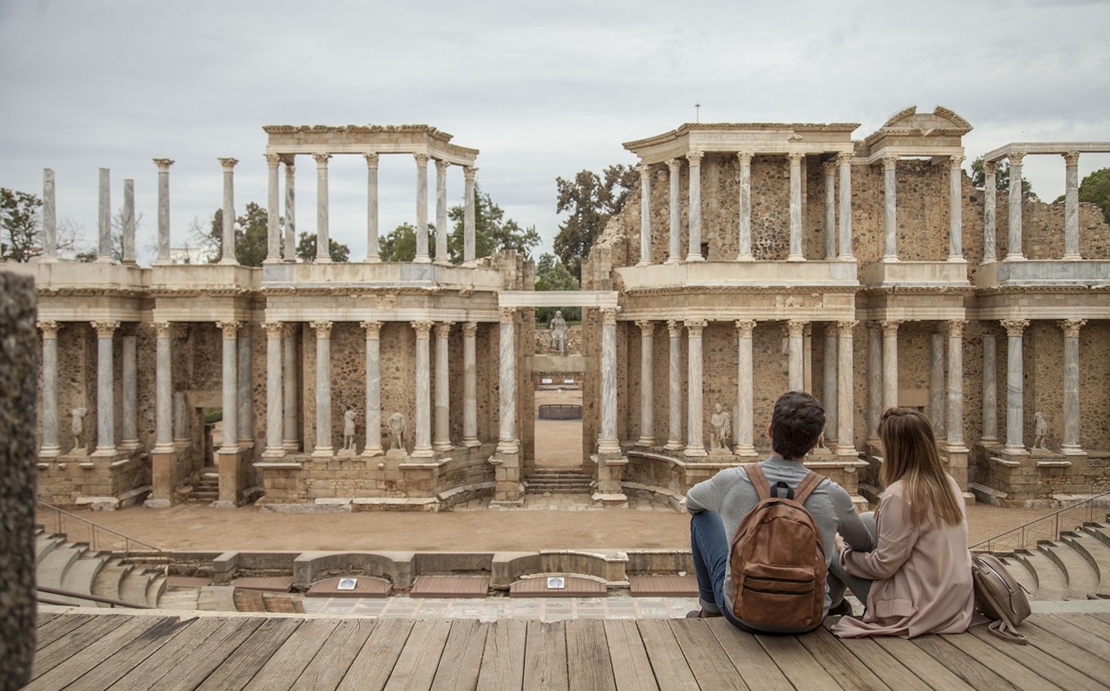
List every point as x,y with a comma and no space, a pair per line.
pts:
796,424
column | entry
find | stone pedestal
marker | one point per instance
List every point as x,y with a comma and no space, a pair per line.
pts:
610,476
165,472
233,478
507,490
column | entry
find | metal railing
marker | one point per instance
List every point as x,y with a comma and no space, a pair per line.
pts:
1047,527
83,596
77,529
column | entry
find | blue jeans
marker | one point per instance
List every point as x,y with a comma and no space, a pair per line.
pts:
709,547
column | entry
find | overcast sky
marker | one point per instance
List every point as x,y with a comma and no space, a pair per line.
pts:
541,89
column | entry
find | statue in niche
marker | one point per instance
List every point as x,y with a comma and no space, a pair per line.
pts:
559,333
396,432
349,431
1040,431
79,441
720,423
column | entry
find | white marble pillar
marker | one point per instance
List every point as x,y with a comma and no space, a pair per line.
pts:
372,255
1071,206
1070,443
955,421
990,196
674,237
273,210
937,392
695,446
50,446
104,219
1015,383
745,390
796,253
442,439
421,209
693,253
227,244
1014,251
990,389
844,158
829,397
324,448
845,390
129,353
645,214
470,385
441,213
180,420
890,209
423,443
795,377
163,210
830,224
745,160
105,389
507,439
290,422
246,388
49,218
807,357
468,216
229,386
890,363
128,235
323,236
874,379
373,420
647,383
955,208
608,442
163,387
290,209
674,433
274,447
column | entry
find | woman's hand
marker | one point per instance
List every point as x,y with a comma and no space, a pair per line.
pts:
839,542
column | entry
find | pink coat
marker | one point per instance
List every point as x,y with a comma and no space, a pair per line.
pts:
921,573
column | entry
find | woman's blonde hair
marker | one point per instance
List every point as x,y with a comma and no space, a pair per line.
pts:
910,455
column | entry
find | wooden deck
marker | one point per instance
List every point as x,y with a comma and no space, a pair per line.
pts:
142,651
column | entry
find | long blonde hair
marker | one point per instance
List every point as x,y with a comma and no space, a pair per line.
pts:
910,455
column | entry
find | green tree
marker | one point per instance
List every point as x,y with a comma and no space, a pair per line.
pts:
592,200
252,236
306,249
1095,189
400,244
1001,177
551,274
19,220
492,231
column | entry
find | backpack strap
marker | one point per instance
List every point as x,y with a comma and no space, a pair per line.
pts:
759,480
806,487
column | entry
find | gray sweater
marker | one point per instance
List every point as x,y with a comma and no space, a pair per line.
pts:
731,495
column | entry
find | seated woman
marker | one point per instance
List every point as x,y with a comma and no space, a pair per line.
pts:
918,578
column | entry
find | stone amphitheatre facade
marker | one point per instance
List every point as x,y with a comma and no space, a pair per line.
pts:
754,258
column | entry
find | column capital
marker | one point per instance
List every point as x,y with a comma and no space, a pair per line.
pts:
470,329
373,329
273,329
745,157
1015,327
321,159
228,163
609,315
423,329
229,329
955,162
290,169
695,327
272,160
163,329
163,164
745,327
829,167
1071,327
49,328
674,328
506,314
322,328
1071,158
890,162
674,164
421,160
443,329
890,326
695,157
795,157
105,329
874,327
469,172
441,165
795,327
645,169
371,160
956,328
1015,158
647,327
846,328
845,157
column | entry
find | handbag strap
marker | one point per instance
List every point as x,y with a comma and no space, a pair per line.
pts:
1003,630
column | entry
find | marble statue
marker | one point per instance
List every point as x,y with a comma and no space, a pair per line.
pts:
559,333
349,430
720,423
1040,430
79,441
396,432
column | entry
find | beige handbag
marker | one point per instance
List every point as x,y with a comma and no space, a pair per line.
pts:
998,596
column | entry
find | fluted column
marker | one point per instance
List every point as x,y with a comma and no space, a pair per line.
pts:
674,207
291,434
845,390
844,158
795,376
105,389
890,363
830,398
608,443
324,446
874,379
990,196
246,389
745,160
323,237
1015,384
1014,251
373,421
890,208
745,390
937,392
796,254
468,215
104,219
274,448
647,383
674,401
1070,444
955,208
372,255
421,209
423,444
229,386
695,445
470,385
227,245
441,212
830,219
955,383
163,387
273,211
49,218
290,209
1071,206
990,389
507,440
50,446
693,254
442,441
645,214
130,354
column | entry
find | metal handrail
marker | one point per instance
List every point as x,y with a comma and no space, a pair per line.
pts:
84,596
1088,505
93,528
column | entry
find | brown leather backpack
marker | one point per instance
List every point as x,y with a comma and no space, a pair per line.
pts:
777,558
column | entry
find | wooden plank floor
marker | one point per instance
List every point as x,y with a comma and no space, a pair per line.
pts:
129,651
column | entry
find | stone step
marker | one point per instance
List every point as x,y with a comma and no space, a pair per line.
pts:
45,544
51,572
133,587
1097,555
80,576
155,588
1081,575
1099,531
108,580
1052,584
180,598
1022,574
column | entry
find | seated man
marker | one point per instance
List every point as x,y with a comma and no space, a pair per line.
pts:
720,503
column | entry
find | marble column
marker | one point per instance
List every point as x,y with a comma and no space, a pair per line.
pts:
290,423
246,389
830,218
423,443
874,379
955,421
323,237
890,363
845,390
180,420
274,447
273,210
50,446
674,433
1070,445
163,210
647,383
1071,206
674,237
104,219
745,160
130,355
796,253
990,389
829,397
844,158
745,390
373,420
290,209
323,447
890,209
645,214
229,386
955,208
227,244
937,393
468,216
49,218
693,254
441,212
608,442
695,446
421,209
1015,384
105,389
470,385
163,387
990,196
507,439
807,357
372,255
442,440
795,376
128,235
1014,250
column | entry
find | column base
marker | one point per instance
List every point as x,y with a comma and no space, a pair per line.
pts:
372,451
50,452
1072,257
1014,258
645,441
796,258
889,259
423,452
695,452
442,446
164,448
226,261
274,452
744,450
957,259
129,445
674,445
745,258
846,258
643,263
272,260
320,452
471,442
441,262
1075,450
105,452
505,447
673,260
425,259
291,445
1015,450
322,260
846,451
695,258
375,259
609,447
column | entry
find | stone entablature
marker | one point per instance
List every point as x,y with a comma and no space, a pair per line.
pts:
909,133
751,138
363,139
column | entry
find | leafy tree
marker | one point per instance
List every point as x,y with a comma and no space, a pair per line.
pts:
115,239
1001,177
592,200
306,249
492,231
1095,189
252,236
400,244
551,274
19,220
